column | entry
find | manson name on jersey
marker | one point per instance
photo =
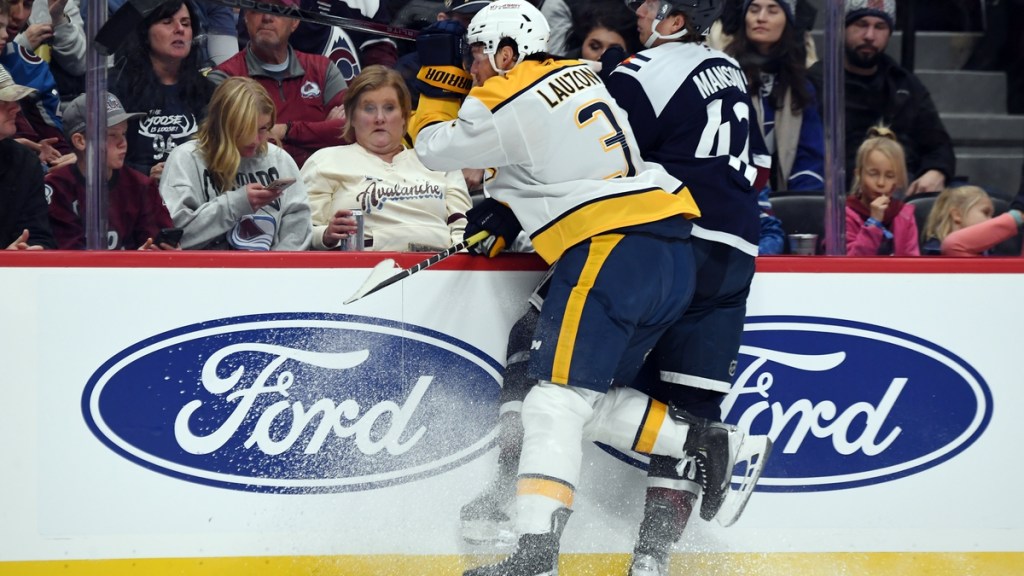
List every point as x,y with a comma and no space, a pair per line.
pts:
719,78
567,83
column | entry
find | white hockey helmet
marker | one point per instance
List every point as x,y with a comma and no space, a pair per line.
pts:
515,19
701,14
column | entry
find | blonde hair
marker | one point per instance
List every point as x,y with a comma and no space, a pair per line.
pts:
374,78
234,113
883,140
940,220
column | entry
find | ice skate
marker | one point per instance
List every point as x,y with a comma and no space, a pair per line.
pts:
714,446
648,565
488,518
666,512
534,555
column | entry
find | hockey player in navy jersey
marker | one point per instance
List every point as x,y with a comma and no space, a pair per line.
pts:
690,111
618,228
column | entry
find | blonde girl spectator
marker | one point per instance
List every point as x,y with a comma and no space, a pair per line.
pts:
877,221
406,206
218,187
961,223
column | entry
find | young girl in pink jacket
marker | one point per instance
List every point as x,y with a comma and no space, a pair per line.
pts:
877,223
961,223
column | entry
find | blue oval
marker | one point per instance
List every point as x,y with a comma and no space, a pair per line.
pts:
303,403
851,404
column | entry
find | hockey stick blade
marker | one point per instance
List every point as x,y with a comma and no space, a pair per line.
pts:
320,12
752,457
387,272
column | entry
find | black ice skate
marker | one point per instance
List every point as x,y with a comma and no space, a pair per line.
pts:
714,447
535,554
666,512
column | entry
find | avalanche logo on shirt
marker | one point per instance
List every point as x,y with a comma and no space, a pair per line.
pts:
310,90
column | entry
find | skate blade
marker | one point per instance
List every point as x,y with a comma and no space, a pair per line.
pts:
753,455
489,533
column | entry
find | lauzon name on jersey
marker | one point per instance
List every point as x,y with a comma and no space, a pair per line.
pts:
573,80
719,78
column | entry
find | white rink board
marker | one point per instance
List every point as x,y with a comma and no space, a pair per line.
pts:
69,495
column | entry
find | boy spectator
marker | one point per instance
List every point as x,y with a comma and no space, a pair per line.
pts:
23,222
136,212
307,88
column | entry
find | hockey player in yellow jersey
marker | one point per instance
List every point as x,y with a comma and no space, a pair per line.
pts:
567,171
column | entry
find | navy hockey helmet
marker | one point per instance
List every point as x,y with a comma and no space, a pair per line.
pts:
701,14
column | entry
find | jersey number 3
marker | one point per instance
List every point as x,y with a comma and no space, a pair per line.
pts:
589,114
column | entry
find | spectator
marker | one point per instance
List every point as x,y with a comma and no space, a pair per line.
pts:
23,222
879,91
40,127
158,72
961,223
876,222
218,187
602,24
350,50
55,33
770,49
406,206
135,210
307,88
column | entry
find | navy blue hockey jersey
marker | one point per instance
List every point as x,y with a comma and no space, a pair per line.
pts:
690,111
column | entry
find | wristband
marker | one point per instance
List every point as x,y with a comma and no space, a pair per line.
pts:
880,226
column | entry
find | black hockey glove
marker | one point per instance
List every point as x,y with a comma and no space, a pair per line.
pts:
497,219
442,49
610,60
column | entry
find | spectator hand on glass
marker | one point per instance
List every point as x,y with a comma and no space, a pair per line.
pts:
22,243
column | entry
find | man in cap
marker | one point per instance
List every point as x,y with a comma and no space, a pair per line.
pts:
307,89
23,221
135,213
879,91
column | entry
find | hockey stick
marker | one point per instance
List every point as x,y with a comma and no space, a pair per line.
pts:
319,11
384,273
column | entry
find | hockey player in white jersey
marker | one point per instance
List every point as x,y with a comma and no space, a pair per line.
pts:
567,171
689,107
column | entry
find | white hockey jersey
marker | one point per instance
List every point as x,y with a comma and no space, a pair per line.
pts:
566,161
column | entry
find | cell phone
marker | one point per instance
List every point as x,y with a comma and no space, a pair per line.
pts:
169,236
280,184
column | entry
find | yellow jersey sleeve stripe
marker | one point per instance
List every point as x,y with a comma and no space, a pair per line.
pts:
430,111
549,488
651,426
610,213
600,248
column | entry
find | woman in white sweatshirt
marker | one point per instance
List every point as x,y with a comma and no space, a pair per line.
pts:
229,187
406,206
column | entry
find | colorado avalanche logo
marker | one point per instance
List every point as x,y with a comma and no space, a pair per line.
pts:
298,403
310,90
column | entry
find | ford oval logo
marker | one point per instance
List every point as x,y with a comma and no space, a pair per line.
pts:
849,404
296,403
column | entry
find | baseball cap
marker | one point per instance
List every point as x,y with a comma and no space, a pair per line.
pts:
884,9
74,115
465,6
11,92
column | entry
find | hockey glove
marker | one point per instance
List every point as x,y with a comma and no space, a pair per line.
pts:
497,219
441,48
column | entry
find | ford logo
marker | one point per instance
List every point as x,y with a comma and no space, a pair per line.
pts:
850,404
296,403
